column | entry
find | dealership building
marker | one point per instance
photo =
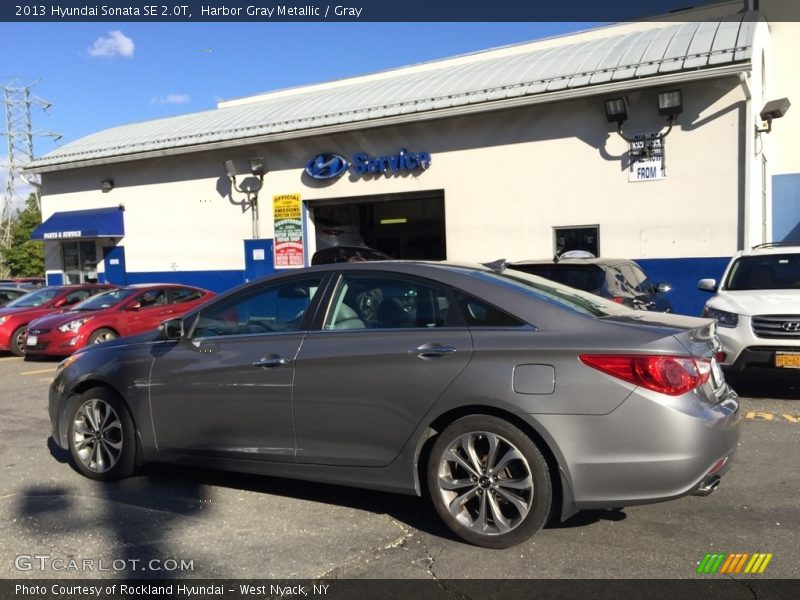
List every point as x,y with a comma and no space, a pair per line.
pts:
662,141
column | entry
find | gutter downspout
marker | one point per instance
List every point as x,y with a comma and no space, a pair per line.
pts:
743,240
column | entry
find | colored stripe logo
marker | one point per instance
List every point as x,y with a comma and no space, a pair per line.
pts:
731,564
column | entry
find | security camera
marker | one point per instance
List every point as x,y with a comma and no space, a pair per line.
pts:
774,109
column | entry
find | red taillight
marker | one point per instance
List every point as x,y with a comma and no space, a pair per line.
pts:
720,356
333,232
671,375
618,300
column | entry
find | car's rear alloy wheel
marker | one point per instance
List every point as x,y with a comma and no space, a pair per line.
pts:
102,335
489,482
101,435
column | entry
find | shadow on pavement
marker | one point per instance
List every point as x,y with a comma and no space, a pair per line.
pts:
766,383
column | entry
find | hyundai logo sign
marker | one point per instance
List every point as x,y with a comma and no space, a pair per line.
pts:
330,166
792,326
327,166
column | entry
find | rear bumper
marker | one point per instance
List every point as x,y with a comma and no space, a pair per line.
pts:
652,448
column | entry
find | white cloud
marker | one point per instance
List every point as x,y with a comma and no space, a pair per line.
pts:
171,99
114,44
21,188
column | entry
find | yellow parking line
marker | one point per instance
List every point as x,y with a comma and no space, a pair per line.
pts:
767,416
49,379
50,370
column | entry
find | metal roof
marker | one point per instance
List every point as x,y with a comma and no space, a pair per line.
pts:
482,82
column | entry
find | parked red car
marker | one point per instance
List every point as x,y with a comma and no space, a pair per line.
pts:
15,316
122,311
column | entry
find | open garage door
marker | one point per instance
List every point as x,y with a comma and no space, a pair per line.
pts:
406,226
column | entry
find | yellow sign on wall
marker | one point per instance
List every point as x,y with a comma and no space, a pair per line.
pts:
287,211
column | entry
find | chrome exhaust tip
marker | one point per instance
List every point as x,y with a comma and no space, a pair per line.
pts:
707,486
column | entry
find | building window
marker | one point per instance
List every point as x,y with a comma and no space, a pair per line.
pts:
80,261
585,237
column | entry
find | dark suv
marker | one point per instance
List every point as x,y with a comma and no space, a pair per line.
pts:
617,279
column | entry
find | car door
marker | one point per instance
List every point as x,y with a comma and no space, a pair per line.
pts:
143,312
226,390
387,348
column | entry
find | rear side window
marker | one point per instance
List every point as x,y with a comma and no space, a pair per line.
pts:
177,295
478,313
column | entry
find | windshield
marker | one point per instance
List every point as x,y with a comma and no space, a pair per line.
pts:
765,272
105,300
31,299
554,293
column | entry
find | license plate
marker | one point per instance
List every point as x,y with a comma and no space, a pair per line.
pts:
788,360
32,340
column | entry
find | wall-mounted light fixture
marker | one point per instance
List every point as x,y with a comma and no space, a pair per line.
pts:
250,186
774,109
670,105
646,146
106,185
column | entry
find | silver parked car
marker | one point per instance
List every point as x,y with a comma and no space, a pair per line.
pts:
506,396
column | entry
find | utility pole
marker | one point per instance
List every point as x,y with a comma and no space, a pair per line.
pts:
18,102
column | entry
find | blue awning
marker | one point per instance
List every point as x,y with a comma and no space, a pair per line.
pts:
76,224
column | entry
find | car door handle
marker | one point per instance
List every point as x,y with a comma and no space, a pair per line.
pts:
272,362
431,350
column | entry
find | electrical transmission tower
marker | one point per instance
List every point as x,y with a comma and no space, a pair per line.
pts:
18,101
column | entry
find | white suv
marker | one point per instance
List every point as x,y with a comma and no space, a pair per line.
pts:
757,307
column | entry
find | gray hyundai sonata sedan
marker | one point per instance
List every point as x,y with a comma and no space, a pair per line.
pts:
506,397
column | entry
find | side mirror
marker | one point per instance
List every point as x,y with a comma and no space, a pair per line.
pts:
707,285
134,306
663,288
171,329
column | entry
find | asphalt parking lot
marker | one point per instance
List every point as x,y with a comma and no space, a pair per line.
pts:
203,524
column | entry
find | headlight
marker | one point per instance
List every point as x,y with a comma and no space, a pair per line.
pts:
67,362
4,319
73,325
723,318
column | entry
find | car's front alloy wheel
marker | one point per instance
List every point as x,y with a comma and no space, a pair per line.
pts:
489,482
101,435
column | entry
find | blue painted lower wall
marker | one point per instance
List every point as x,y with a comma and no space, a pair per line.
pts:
216,281
683,274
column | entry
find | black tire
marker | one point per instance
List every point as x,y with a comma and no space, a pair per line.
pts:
102,335
101,435
500,504
17,341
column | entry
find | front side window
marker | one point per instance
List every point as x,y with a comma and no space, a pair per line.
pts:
273,308
152,298
387,302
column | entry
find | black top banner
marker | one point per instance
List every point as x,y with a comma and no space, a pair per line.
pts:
378,10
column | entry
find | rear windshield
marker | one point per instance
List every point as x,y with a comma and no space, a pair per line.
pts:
37,298
765,272
104,300
588,278
551,292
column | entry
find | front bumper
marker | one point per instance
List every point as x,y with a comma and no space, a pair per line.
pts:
744,349
55,343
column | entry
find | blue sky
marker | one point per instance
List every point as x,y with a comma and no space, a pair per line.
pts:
99,75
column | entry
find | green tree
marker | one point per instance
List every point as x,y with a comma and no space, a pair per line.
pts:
24,257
